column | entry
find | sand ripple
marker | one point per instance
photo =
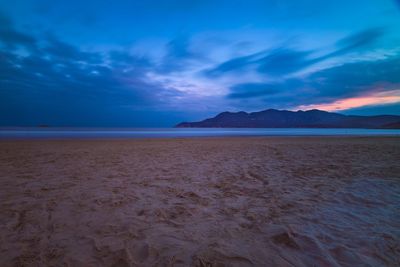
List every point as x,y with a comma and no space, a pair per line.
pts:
201,202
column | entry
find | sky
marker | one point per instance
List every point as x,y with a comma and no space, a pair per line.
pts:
156,63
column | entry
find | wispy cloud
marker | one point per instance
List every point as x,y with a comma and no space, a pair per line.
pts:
57,80
351,80
11,37
284,60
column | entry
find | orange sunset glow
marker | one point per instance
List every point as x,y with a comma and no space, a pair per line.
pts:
381,98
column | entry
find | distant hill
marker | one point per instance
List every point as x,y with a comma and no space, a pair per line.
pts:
272,118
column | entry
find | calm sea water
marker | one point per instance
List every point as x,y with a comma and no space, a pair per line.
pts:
29,133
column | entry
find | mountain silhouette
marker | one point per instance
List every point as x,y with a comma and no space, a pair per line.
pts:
272,118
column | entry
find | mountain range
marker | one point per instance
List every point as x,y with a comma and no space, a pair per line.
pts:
273,118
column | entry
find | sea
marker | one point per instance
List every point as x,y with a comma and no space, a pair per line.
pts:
69,133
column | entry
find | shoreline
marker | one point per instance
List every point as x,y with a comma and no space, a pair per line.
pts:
306,137
190,133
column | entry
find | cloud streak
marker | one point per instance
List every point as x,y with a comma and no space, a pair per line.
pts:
59,82
284,61
12,38
330,85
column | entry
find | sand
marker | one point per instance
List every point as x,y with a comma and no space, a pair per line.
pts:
308,201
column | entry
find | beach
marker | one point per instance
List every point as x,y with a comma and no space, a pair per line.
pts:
229,201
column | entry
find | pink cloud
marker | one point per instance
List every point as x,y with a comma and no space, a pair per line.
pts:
374,99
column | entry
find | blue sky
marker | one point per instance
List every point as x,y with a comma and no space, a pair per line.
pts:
156,63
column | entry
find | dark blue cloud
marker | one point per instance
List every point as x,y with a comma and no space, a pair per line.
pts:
178,55
178,48
236,64
59,84
347,80
120,58
387,109
63,51
12,38
251,90
356,41
355,78
283,61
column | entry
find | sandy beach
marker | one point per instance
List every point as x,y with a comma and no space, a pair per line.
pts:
262,201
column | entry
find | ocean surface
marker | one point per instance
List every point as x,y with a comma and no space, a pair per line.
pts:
55,133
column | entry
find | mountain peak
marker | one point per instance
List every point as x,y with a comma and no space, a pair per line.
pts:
317,111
